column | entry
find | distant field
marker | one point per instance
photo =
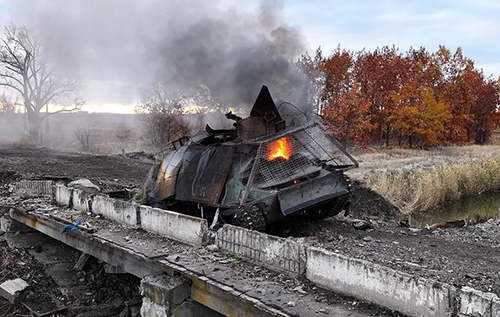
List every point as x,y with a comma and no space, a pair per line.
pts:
104,130
62,129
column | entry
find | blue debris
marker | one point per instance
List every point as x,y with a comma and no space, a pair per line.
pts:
74,226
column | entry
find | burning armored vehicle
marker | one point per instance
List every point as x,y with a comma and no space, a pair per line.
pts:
263,170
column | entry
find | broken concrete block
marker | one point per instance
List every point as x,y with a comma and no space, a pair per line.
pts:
82,260
34,188
82,200
184,228
5,223
11,289
166,290
42,304
212,248
152,309
115,209
64,195
476,303
86,185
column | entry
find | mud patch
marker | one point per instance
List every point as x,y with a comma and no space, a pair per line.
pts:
7,176
108,172
366,203
41,304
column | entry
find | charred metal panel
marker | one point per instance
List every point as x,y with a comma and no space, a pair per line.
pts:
264,107
253,127
240,172
264,118
203,173
306,194
167,176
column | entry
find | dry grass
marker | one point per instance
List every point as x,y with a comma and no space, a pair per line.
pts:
416,181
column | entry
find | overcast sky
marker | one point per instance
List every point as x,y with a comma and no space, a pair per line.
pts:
353,24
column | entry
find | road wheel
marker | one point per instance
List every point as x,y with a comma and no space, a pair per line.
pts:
251,218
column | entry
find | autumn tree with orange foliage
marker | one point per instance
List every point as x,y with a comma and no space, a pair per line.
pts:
345,112
419,98
421,118
485,114
381,74
349,117
420,115
338,75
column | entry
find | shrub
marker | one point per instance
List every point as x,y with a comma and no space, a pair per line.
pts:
421,190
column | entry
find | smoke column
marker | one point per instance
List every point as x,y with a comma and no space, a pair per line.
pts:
185,44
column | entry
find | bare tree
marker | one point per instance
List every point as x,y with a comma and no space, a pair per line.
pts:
313,88
7,104
158,98
163,112
25,70
86,139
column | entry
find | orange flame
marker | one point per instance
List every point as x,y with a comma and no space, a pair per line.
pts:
279,149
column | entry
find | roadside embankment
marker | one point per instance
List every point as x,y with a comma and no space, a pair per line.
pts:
418,181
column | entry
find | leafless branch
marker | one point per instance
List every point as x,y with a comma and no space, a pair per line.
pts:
66,109
24,69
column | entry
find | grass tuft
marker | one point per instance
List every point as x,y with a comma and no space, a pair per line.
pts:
419,190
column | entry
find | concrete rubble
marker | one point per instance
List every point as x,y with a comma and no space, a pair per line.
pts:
12,289
85,184
52,267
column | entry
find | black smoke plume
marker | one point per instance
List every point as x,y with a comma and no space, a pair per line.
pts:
123,44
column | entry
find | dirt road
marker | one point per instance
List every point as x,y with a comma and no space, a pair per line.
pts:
108,172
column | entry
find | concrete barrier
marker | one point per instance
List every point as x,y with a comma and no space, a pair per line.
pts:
495,307
82,200
275,253
64,195
478,304
173,225
381,285
117,210
34,188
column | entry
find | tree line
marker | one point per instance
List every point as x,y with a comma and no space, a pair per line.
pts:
416,98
